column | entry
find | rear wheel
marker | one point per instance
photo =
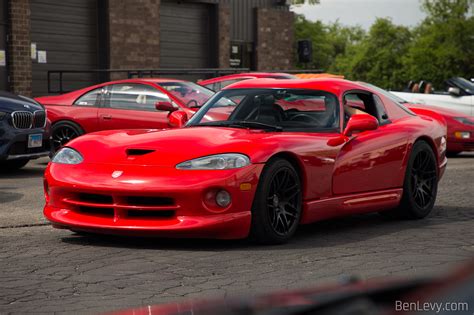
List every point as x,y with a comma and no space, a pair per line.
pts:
63,132
13,165
277,205
421,184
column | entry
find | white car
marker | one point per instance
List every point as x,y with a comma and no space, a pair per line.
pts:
458,96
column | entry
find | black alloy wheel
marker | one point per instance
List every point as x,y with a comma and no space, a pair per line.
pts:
277,205
63,133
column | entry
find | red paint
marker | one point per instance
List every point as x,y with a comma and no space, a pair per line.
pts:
341,175
96,118
455,144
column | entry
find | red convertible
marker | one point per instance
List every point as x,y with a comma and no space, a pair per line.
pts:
217,84
258,159
125,104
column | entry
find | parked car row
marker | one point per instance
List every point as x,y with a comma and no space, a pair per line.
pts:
147,103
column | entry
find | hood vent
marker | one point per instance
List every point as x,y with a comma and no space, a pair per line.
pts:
137,152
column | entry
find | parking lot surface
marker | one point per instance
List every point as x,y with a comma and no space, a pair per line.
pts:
45,270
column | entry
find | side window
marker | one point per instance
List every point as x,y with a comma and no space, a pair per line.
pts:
382,115
135,97
89,99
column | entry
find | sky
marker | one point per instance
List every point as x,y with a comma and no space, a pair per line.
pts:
363,12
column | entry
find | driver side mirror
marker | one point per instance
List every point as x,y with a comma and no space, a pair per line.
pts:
454,91
165,106
359,123
178,119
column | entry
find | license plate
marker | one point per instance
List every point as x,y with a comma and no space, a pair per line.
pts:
35,141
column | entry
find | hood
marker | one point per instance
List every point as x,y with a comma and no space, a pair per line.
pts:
10,103
170,147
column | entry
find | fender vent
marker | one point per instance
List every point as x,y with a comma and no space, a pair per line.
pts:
132,152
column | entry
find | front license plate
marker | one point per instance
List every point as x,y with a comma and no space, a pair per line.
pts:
35,141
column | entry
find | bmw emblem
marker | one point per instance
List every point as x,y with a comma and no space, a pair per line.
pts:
117,174
26,106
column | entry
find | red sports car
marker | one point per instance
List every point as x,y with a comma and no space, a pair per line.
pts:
125,104
273,155
217,84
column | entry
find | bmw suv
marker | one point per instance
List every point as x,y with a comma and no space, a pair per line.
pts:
24,131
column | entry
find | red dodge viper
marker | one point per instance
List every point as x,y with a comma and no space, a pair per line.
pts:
258,159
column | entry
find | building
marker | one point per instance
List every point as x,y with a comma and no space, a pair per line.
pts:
37,36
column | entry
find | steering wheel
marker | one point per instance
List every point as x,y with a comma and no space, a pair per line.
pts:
305,118
194,102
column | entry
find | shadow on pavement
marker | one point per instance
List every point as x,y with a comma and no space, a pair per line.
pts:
6,197
321,234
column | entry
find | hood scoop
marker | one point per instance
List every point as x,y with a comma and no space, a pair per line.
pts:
138,152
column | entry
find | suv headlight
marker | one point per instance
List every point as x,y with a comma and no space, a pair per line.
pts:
67,156
216,162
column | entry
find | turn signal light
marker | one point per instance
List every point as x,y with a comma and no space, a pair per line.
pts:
462,134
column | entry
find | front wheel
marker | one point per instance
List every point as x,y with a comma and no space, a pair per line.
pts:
276,209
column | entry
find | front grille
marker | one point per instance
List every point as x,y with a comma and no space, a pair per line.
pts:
22,120
39,119
149,201
120,206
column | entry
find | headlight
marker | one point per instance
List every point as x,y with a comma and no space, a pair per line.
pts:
67,156
2,114
462,134
464,120
216,162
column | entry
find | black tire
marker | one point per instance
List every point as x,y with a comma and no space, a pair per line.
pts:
420,186
63,132
13,165
276,209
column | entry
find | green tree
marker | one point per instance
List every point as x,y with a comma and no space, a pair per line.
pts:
378,57
444,43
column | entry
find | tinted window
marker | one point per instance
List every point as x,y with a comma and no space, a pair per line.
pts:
134,96
291,110
190,94
90,98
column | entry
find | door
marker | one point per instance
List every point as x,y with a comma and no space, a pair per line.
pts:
3,47
132,106
371,160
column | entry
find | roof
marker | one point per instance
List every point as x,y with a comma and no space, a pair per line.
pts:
326,84
244,75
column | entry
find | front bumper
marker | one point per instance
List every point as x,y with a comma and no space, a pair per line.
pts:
149,201
460,145
14,143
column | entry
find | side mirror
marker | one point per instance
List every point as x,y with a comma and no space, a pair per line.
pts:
165,106
177,119
454,91
359,123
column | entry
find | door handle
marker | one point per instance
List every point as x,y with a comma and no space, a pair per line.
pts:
107,117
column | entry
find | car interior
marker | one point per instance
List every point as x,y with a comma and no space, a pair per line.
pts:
359,103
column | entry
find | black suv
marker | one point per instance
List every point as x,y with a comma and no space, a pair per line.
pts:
24,131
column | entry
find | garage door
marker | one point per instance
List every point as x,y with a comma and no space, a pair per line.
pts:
67,30
185,35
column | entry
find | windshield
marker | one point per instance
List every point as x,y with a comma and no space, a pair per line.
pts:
190,94
466,85
276,109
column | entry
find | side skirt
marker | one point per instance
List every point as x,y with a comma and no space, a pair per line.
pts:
322,209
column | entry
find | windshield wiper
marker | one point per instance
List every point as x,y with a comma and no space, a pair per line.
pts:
240,124
255,124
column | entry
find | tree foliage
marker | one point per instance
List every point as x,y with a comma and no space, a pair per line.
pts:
390,55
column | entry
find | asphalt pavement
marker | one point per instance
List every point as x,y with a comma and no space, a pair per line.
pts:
45,270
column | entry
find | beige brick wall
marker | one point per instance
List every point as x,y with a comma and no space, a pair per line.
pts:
275,40
134,40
